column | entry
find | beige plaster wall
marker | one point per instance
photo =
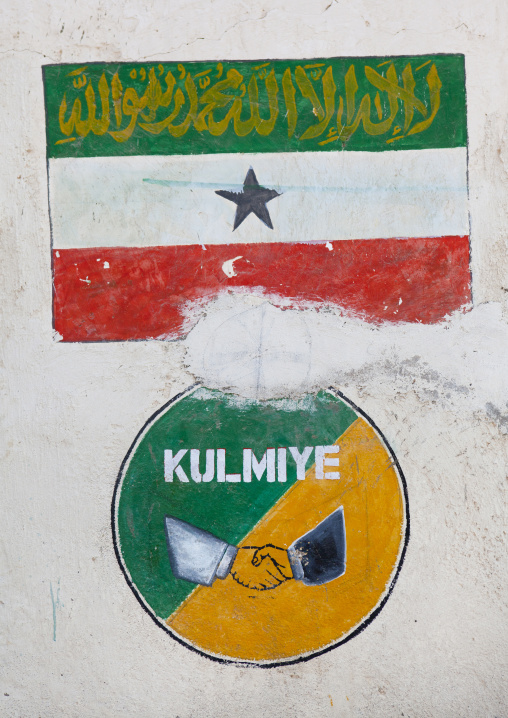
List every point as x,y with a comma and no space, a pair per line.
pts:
76,643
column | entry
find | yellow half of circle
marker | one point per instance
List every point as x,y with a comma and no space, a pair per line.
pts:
231,621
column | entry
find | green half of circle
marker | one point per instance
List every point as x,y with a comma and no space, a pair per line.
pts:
210,420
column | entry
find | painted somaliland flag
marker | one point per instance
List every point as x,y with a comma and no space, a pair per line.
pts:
334,182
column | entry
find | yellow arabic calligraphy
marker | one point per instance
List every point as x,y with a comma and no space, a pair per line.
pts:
83,127
390,85
224,100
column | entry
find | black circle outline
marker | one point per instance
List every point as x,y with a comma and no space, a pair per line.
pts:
277,664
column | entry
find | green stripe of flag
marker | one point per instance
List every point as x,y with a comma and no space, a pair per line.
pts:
230,511
369,103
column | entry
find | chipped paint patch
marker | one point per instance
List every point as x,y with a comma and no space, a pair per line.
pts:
274,353
228,267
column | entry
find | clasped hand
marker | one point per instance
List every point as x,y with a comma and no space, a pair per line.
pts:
261,567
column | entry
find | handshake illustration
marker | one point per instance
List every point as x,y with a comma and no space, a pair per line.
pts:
317,557
261,567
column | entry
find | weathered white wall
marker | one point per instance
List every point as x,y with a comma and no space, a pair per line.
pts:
76,641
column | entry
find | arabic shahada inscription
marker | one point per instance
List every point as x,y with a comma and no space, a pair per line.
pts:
336,181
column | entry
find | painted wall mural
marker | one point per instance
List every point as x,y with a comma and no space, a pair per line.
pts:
263,532
259,532
336,181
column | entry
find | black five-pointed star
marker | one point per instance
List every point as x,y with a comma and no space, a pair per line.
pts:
254,198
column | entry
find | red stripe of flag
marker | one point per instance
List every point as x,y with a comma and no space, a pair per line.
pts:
144,292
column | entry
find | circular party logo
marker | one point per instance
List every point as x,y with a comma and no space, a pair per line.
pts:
261,532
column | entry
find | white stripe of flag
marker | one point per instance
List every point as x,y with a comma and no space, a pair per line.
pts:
325,196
